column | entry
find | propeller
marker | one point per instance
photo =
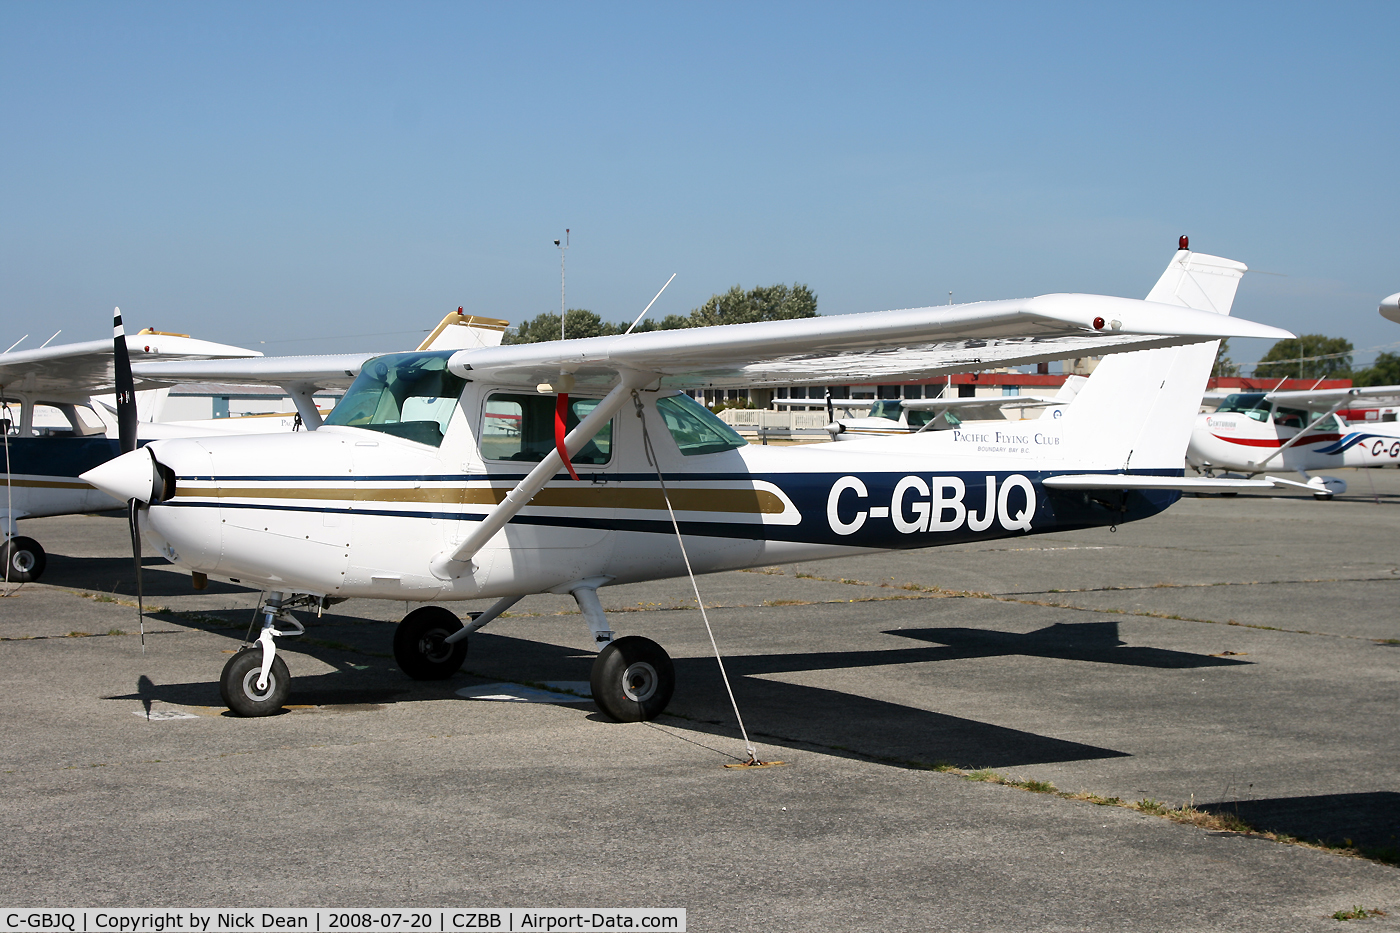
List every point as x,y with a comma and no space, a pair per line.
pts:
126,434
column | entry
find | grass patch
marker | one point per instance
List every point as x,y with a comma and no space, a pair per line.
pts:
115,631
786,602
1357,913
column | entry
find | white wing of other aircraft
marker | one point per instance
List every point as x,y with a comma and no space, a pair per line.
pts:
44,475
1390,308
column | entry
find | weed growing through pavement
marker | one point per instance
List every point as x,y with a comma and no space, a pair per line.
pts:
1357,913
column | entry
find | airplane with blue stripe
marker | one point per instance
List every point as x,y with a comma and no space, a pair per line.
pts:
564,467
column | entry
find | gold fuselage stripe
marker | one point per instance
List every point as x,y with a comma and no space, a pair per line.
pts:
48,484
751,501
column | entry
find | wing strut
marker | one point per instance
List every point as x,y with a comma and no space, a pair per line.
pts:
449,565
1297,437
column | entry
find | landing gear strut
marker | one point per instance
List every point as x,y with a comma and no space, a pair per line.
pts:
633,677
255,681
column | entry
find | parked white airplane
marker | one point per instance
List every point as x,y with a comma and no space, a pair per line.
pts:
43,465
1298,430
893,416
441,476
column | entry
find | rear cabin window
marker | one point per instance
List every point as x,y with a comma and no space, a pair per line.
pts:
408,395
695,428
517,426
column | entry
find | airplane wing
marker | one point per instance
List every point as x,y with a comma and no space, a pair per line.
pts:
328,371
76,370
1323,399
1390,308
456,331
980,401
871,347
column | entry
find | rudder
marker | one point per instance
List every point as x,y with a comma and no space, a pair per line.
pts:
1106,424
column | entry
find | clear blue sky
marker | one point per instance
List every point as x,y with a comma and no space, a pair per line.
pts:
275,172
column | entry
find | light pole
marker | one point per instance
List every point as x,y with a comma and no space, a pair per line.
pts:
563,251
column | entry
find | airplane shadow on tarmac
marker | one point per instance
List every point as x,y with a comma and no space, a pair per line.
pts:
777,713
1369,821
114,575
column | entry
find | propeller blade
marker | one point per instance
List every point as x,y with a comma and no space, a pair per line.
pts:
830,408
132,523
126,386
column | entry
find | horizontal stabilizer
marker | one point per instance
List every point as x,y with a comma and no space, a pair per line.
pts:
1129,481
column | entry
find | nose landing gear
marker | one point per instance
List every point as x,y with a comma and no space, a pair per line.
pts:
256,682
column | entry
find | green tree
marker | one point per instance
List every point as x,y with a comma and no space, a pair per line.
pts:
771,303
1224,366
736,306
1299,358
577,323
1384,372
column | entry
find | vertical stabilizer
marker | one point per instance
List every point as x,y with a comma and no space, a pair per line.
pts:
1137,409
460,331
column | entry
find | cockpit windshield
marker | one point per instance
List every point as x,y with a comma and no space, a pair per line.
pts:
408,395
1246,403
886,408
1254,405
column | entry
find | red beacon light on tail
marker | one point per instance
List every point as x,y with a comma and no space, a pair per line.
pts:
1184,242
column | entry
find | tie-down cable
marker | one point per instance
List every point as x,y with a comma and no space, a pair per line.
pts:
652,461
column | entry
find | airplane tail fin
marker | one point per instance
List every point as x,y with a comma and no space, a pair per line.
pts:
459,331
1137,409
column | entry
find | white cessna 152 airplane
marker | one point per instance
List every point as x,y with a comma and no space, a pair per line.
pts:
561,467
1298,430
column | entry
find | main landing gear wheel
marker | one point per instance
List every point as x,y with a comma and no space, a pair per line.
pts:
24,560
633,679
420,645
238,684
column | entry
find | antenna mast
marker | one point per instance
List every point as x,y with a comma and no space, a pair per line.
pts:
563,252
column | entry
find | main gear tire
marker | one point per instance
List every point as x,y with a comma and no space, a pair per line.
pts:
633,679
24,560
420,644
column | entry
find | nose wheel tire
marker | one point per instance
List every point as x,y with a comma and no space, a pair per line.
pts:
633,679
420,646
24,560
238,684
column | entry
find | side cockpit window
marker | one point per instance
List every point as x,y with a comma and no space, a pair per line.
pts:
408,395
520,426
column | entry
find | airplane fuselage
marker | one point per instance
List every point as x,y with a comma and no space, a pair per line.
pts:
347,512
